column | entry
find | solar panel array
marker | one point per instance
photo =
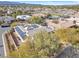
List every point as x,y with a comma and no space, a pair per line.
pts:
20,32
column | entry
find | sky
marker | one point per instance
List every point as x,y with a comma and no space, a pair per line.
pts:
39,0
47,2
53,2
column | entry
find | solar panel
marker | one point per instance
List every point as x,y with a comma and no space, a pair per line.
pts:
21,33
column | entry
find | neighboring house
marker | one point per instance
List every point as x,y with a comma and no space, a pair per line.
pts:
69,52
58,24
9,11
72,19
54,17
8,19
23,17
40,15
65,16
30,30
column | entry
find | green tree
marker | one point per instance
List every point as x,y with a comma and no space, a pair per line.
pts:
37,20
74,22
49,15
43,44
14,15
1,22
46,44
19,12
69,35
23,51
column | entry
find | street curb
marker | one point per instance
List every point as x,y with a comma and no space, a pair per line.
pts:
5,54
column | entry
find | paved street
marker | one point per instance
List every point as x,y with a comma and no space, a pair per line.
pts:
2,30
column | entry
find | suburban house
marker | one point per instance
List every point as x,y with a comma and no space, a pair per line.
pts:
58,24
40,15
53,17
72,19
30,30
23,17
8,19
9,11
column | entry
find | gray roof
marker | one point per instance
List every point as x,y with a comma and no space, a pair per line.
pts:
69,52
32,29
8,18
23,17
44,28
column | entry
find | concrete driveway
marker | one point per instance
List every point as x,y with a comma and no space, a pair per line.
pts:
2,30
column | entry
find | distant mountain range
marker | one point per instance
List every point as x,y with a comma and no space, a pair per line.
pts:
10,3
13,3
7,3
